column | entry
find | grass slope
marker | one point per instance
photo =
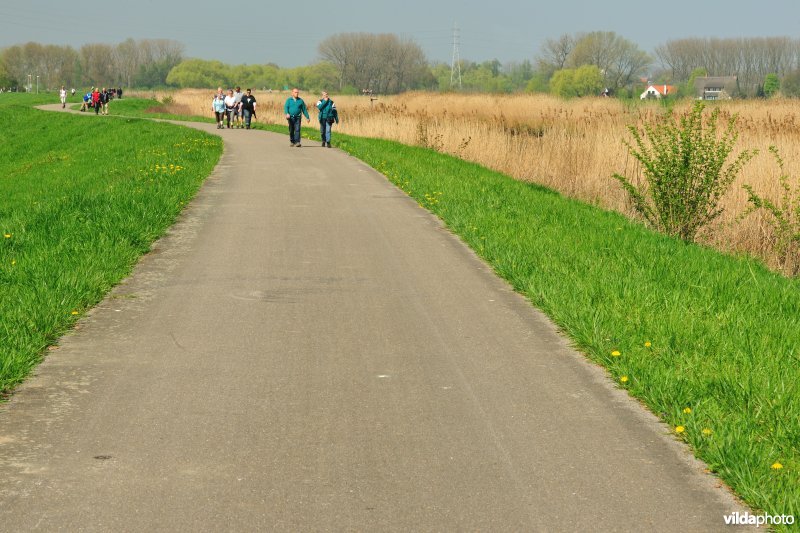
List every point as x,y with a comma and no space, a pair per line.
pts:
81,198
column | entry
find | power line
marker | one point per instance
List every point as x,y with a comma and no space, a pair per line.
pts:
455,65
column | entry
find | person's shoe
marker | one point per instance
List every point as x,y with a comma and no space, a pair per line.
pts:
292,144
297,145
323,144
329,145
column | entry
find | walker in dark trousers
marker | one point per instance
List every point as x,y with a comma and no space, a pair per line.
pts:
295,108
327,116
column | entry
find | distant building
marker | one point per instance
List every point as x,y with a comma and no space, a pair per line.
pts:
716,87
658,91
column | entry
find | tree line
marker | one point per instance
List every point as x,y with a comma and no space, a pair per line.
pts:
131,63
570,65
750,59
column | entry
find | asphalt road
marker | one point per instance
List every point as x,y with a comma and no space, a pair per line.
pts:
309,350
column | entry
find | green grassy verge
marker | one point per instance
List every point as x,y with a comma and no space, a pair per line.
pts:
81,198
709,342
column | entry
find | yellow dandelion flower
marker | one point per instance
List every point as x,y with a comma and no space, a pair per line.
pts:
647,344
615,353
687,410
776,466
13,262
7,235
74,313
679,429
624,379
707,432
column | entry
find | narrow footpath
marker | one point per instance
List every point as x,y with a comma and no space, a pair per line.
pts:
309,350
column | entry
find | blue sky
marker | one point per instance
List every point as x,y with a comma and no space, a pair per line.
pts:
287,33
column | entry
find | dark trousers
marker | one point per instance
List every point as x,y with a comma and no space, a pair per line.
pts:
247,115
294,129
325,131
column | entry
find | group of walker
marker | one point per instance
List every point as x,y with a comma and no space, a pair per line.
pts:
95,99
236,110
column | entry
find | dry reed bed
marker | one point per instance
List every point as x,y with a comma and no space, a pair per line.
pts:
571,146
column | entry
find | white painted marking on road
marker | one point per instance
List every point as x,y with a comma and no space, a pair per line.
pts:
384,376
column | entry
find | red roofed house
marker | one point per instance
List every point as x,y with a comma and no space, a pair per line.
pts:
659,91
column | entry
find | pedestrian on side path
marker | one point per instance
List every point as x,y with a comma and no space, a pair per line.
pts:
62,94
86,99
230,106
327,116
295,108
248,108
96,100
237,109
218,107
105,98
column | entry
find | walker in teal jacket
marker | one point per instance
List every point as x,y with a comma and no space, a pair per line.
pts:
293,107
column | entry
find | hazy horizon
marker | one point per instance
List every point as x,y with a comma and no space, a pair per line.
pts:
288,34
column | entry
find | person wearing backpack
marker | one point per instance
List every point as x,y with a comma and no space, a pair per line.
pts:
327,116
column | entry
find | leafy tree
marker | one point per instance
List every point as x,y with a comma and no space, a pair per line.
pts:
520,74
771,85
689,89
153,74
486,77
5,77
199,73
539,82
620,60
586,80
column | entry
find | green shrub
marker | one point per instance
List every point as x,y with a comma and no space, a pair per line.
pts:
785,219
685,176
